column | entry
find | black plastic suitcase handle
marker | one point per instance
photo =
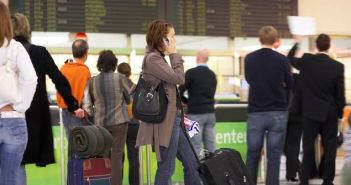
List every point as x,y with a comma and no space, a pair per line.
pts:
228,178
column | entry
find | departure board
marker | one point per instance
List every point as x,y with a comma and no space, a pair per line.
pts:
233,18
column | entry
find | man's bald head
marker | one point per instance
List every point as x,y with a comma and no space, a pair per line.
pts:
202,56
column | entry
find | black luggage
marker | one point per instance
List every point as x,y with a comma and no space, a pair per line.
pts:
224,167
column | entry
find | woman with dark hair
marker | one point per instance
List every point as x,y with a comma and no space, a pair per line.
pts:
167,137
40,147
106,93
133,127
17,81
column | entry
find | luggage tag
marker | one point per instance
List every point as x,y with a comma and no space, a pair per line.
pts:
193,127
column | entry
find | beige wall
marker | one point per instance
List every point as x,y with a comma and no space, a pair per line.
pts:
332,16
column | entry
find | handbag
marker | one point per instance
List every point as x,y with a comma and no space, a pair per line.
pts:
149,102
8,79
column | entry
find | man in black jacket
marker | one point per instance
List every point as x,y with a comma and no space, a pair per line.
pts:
323,100
201,82
269,76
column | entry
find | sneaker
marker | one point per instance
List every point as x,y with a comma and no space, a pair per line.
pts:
292,179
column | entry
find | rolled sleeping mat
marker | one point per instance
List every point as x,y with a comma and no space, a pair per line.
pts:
91,141
107,141
84,142
100,143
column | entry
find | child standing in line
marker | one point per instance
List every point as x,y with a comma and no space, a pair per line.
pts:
346,170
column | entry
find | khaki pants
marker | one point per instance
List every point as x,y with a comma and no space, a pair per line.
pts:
119,135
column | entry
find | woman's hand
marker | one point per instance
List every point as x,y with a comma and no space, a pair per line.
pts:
171,48
8,107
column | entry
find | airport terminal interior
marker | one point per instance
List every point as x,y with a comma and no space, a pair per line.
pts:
227,28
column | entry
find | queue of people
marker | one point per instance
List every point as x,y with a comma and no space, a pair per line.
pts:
316,103
282,106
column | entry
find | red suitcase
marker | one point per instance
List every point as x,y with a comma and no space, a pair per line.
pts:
93,171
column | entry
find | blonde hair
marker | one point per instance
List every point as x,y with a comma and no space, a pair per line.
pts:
5,28
20,25
268,35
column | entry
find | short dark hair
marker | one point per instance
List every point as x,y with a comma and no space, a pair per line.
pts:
124,68
107,61
323,42
268,35
157,30
79,48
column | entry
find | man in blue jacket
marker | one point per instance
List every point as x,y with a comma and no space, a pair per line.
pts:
268,74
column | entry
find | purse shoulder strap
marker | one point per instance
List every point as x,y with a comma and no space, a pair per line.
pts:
182,124
143,65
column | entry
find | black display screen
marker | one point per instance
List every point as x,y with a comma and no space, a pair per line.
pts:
233,18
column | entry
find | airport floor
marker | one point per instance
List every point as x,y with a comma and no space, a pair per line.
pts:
337,180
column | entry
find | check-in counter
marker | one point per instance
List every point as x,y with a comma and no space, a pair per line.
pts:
234,112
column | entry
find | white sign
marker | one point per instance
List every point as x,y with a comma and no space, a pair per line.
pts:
300,25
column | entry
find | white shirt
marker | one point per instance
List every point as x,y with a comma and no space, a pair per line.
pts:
27,78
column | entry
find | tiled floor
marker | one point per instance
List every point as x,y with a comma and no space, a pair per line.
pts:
339,164
337,180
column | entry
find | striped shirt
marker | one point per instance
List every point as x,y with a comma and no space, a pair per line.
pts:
111,95
347,146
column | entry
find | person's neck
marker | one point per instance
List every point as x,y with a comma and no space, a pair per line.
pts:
79,60
267,46
323,52
201,64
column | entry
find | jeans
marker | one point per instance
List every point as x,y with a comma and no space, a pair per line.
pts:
133,154
207,134
178,147
13,141
70,121
273,125
22,176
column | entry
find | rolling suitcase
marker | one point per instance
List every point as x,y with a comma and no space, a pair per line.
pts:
93,171
224,167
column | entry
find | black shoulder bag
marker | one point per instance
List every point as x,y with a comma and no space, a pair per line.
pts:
149,102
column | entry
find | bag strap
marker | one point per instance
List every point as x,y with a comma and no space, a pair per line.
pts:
8,59
120,83
126,95
91,88
182,124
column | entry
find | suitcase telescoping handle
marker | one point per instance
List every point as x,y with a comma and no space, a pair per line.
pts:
229,178
184,129
62,146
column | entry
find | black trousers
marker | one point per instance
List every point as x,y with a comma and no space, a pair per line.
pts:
133,154
292,146
328,131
